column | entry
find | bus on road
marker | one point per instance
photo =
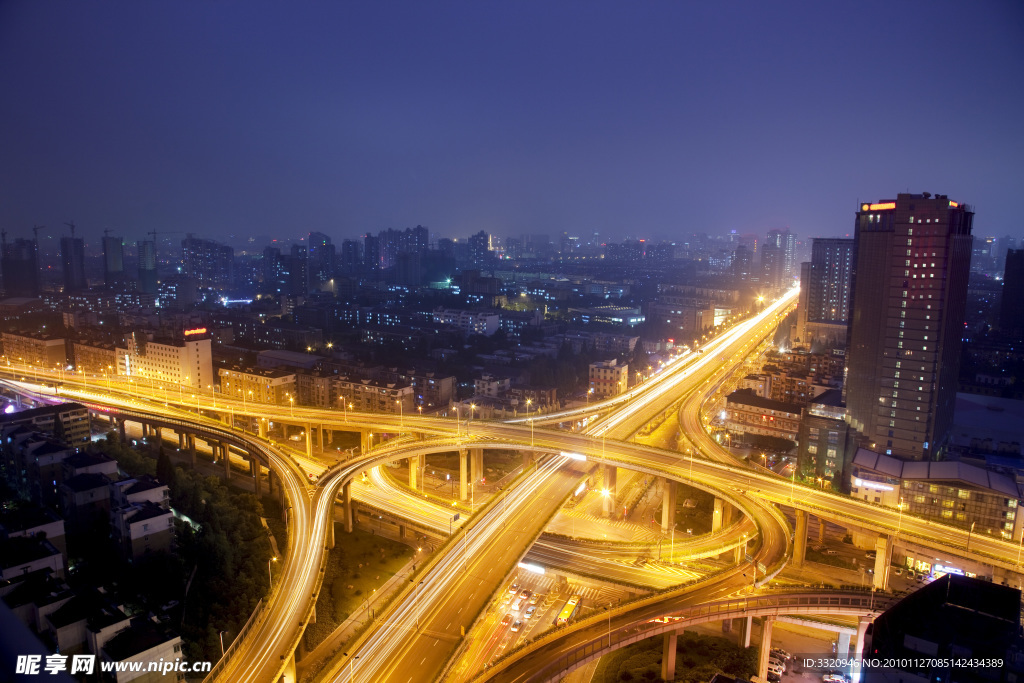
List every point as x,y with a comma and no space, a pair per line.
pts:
568,613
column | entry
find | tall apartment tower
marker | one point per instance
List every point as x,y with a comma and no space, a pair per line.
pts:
209,262
147,266
21,268
912,257
321,259
72,257
1011,309
113,260
825,292
778,259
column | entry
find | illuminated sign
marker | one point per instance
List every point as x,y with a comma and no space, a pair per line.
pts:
953,205
940,569
195,330
574,456
878,207
535,568
874,486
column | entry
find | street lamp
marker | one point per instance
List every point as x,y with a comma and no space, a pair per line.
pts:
529,402
291,402
401,413
531,434
270,575
968,548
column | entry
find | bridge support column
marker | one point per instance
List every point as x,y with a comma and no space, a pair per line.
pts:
401,531
255,467
323,439
821,530
668,656
330,531
157,435
746,626
862,631
226,457
843,648
766,647
121,431
717,515
261,427
668,505
727,513
270,482
476,469
610,482
416,465
883,558
800,538
181,441
464,458
145,430
192,449
365,441
346,493
309,440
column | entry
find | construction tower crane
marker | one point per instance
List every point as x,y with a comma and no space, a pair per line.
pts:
71,225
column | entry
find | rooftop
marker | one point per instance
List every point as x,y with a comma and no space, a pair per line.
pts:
142,635
946,470
749,398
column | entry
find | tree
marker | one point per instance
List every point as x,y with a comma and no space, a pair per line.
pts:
164,468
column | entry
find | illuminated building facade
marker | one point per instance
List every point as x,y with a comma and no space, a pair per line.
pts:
187,362
911,263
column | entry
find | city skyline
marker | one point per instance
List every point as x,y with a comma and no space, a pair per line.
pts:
657,123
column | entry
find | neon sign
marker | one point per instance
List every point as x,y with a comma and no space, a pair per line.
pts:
195,330
878,207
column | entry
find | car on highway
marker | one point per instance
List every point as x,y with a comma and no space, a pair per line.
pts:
514,588
529,611
525,594
506,620
517,625
534,599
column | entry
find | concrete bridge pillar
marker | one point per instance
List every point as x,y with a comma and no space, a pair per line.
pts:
261,427
365,441
800,539
476,469
121,430
157,435
464,458
192,448
226,457
416,465
746,626
255,470
717,515
346,494
270,482
145,429
766,647
181,441
329,541
883,558
668,656
843,648
325,438
610,484
401,531
309,440
727,513
821,530
668,505
862,631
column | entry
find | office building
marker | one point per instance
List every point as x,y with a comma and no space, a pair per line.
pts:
1011,309
21,268
147,266
911,264
113,260
825,293
210,263
778,256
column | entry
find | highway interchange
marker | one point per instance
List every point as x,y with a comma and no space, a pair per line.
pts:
423,625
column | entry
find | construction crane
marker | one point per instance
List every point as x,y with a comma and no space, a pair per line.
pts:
71,225
35,231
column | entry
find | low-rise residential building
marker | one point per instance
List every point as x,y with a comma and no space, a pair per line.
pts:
608,378
489,385
315,389
94,361
431,390
144,641
470,322
533,398
748,413
372,396
620,316
21,555
188,361
27,520
262,385
34,595
85,500
44,351
141,528
73,417
826,442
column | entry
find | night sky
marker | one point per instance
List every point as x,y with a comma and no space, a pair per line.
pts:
647,119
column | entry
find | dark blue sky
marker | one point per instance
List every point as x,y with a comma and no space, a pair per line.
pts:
652,119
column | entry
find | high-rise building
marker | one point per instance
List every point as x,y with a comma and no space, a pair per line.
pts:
72,258
1011,309
113,260
321,259
21,268
778,259
351,255
147,266
210,263
912,258
480,248
371,252
824,310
